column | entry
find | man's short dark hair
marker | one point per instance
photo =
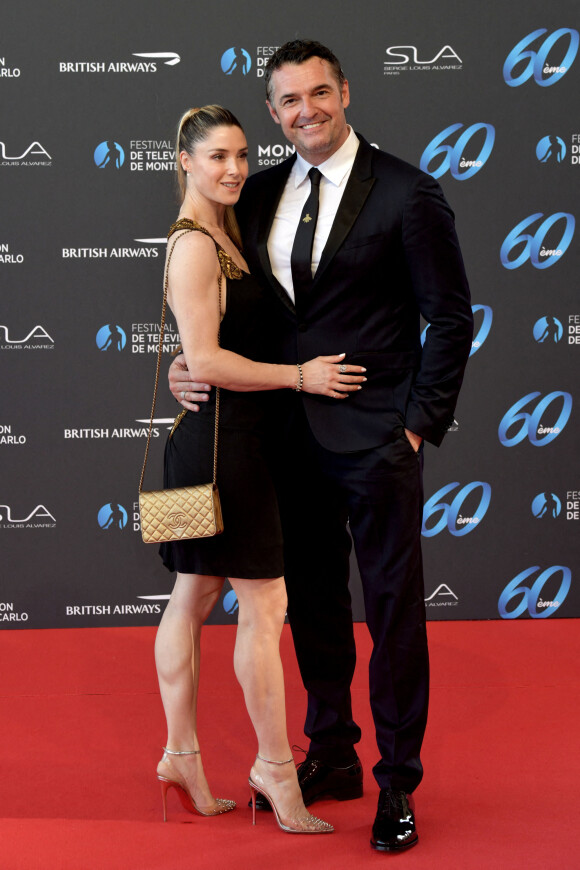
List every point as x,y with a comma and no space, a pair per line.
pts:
298,51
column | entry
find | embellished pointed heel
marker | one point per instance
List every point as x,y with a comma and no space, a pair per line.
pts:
188,803
307,824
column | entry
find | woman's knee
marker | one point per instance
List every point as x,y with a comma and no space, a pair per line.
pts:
262,602
194,596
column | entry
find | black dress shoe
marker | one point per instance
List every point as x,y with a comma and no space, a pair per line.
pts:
394,828
319,780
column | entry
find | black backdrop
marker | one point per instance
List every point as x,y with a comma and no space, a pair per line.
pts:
483,97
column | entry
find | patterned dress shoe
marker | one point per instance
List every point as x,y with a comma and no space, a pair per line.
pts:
319,780
394,828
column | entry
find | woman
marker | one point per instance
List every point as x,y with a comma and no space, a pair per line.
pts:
212,167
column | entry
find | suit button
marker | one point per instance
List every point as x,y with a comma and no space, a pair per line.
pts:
302,327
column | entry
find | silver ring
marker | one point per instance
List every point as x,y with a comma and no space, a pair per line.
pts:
342,368
183,394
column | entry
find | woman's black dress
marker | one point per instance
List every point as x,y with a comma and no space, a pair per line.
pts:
251,543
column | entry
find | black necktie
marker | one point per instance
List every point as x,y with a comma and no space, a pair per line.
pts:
301,256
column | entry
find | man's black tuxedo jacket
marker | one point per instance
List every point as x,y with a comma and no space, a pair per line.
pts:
392,255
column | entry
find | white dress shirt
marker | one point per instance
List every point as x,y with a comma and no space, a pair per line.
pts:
335,174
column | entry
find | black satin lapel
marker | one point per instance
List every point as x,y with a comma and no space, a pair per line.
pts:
358,187
282,295
267,213
270,202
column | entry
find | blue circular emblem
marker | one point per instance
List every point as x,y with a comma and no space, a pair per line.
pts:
546,505
551,149
109,155
548,329
111,337
236,61
112,516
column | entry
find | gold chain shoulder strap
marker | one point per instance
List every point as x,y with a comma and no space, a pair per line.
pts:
186,229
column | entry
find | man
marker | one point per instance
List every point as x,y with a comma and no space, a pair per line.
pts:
384,252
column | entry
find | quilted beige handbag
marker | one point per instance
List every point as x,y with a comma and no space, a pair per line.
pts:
187,511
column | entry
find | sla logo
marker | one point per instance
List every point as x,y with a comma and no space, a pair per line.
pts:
551,148
449,515
38,332
538,607
230,602
533,244
531,421
34,519
112,516
407,54
546,504
536,61
547,328
236,59
482,333
34,150
109,154
442,597
452,156
111,335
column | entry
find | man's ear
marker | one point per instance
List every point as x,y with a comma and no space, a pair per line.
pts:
272,111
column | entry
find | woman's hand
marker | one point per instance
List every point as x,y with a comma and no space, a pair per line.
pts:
329,376
184,390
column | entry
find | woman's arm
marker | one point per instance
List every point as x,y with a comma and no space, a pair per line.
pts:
193,297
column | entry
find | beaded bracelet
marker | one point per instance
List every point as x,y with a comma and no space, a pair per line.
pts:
300,383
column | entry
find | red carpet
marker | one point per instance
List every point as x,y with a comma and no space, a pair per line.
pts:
82,726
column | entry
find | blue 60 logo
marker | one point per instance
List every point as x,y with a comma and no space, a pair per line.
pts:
230,602
533,245
483,329
537,61
449,514
453,159
531,599
531,421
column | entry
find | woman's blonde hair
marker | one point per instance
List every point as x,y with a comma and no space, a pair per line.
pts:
194,127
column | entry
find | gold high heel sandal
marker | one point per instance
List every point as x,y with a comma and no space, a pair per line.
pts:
308,825
223,805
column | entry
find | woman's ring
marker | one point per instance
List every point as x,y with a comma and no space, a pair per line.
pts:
183,394
342,368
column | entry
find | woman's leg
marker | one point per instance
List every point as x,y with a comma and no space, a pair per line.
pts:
177,653
258,668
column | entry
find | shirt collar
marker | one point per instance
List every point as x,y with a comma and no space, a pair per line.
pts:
335,168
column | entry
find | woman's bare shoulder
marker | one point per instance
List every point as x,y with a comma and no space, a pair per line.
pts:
193,250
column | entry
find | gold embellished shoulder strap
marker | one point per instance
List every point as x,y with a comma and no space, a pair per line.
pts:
230,269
